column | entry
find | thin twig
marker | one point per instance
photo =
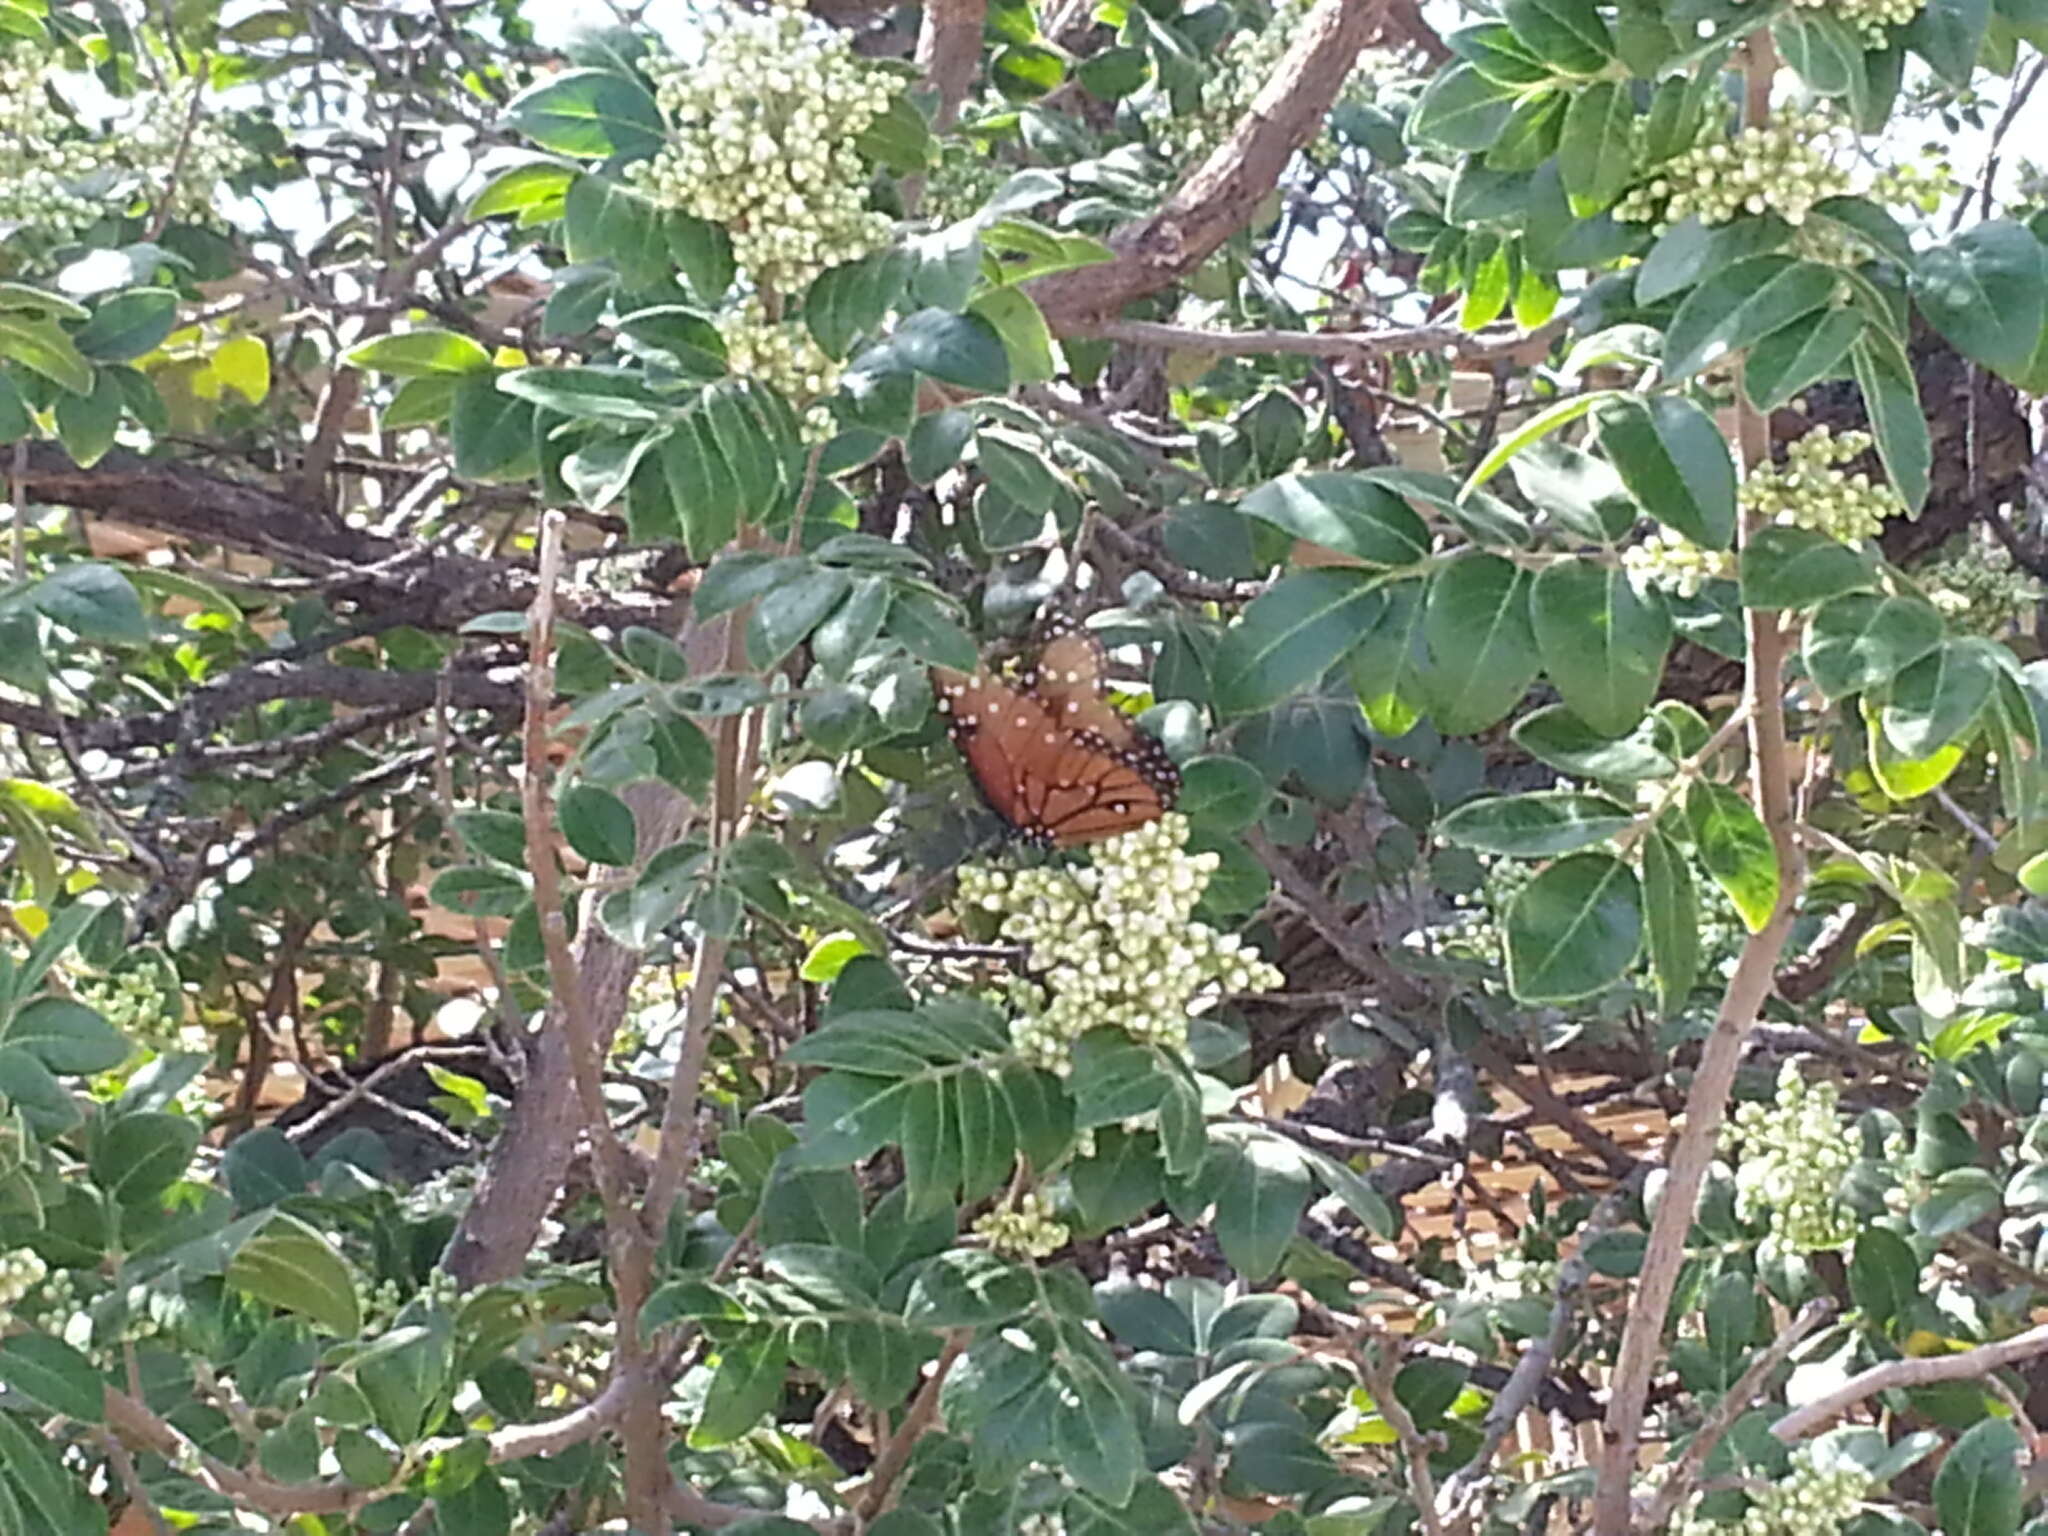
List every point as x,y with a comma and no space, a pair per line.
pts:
1733,1404
1981,1361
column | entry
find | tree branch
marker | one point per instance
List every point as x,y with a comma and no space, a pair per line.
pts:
1981,1361
1223,193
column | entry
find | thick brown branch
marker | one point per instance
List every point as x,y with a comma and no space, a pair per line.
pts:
1969,1365
1224,192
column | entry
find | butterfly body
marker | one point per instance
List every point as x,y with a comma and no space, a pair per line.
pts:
1058,762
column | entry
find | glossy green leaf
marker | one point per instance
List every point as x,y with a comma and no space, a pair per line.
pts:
127,325
1987,292
1891,394
589,113
1674,461
1861,640
1461,109
1554,735
1948,34
1740,305
1978,1490
1574,929
417,354
1672,909
1786,567
290,1265
1596,154
1347,513
1291,635
1936,699
1535,825
1884,1274
1566,34
1602,642
1735,850
1691,249
1482,645
1796,356
55,1375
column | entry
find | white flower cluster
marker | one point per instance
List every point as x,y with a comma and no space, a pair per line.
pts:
1025,1230
1514,1278
1804,1502
1980,591
1795,1151
141,998
165,130
45,155
1808,491
765,124
1045,1523
1869,17
1670,560
1115,944
20,1272
1784,167
61,177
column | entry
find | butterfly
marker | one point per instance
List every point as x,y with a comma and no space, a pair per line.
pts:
1058,762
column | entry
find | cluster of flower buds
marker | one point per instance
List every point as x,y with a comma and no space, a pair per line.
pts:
1809,490
1023,1230
1784,167
1115,944
765,126
1794,1152
1807,1501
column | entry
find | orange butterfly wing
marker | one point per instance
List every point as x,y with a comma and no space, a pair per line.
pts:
1055,759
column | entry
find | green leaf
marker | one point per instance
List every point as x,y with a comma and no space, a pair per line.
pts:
1690,249
402,1373
1602,642
1795,356
295,1268
1739,306
1566,34
1672,909
1560,738
1573,930
54,1375
44,347
44,1488
1291,635
139,1156
1892,397
589,113
86,424
1537,427
477,891
1948,34
1482,646
535,185
598,825
848,301
1987,292
1884,1275
263,1167
1785,567
1597,154
954,349
491,431
1260,1186
1535,825
899,140
127,325
1223,794
1347,513
420,354
1735,850
1979,1491
66,1036
603,221
1935,700
1674,460
789,611
1461,109
746,1385
1861,640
